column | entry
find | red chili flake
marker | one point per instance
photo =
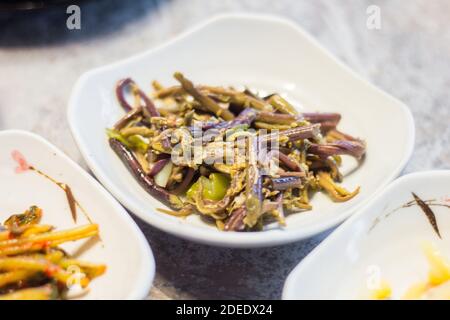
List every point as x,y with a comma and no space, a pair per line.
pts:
45,245
20,159
50,270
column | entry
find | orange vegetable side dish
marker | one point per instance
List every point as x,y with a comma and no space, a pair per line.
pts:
34,267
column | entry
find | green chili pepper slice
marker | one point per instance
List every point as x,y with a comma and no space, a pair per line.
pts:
214,188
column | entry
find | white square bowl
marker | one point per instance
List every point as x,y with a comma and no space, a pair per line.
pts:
261,52
122,246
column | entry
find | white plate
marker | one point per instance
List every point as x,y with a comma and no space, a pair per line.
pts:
262,52
382,242
123,247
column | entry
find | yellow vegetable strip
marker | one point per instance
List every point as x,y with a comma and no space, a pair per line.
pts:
40,265
91,270
41,293
46,240
75,233
5,235
336,192
36,229
14,276
53,256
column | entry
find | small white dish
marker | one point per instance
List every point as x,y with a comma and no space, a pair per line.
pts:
123,247
382,242
262,52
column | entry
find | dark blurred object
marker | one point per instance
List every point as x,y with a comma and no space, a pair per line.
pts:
31,4
48,25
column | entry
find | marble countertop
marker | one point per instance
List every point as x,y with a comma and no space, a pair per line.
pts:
40,60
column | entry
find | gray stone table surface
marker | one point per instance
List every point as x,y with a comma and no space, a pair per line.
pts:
40,60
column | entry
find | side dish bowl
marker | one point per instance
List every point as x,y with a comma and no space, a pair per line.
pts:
234,50
121,245
382,242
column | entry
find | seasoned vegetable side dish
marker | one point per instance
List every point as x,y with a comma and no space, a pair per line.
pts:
239,159
34,267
